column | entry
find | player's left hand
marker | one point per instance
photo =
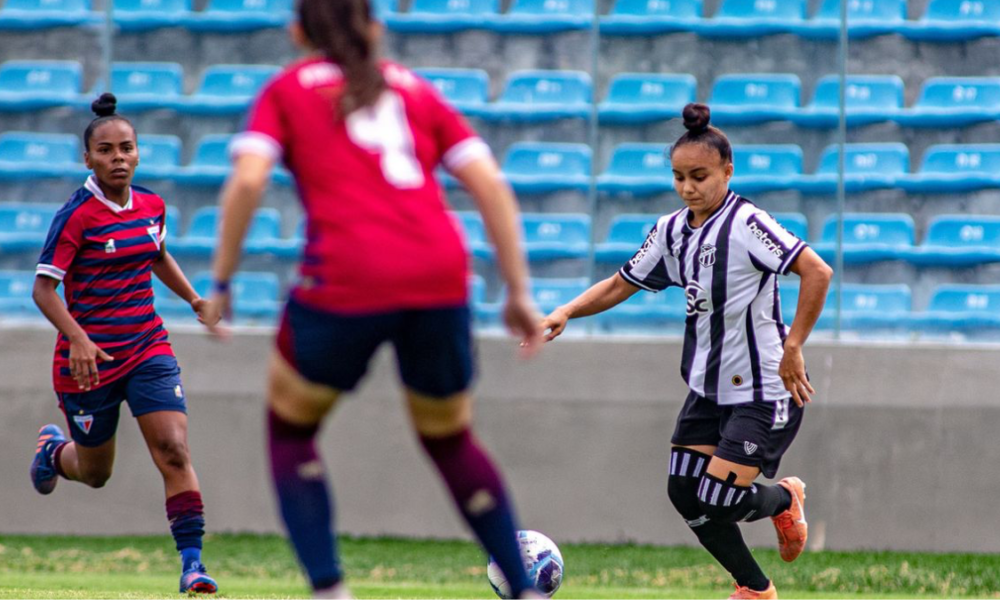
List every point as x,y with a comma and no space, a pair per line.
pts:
202,308
217,309
793,373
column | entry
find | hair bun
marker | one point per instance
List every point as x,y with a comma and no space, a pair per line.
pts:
697,117
105,106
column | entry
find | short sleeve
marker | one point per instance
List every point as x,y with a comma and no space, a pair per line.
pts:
61,246
647,269
266,129
772,248
457,142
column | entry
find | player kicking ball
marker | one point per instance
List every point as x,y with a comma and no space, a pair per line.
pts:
104,245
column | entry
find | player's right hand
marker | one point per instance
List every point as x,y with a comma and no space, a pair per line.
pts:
83,357
216,312
554,324
521,319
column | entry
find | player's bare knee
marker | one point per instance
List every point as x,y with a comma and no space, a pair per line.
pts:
440,417
172,454
95,476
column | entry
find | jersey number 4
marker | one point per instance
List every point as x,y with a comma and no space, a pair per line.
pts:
384,130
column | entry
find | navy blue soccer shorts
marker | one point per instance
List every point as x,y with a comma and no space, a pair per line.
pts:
153,385
434,348
755,434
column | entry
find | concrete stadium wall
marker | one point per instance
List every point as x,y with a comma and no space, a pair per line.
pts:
899,450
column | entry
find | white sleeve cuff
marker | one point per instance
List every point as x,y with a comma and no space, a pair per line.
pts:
464,153
253,142
50,271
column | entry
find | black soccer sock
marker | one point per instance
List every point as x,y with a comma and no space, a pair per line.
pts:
722,540
728,502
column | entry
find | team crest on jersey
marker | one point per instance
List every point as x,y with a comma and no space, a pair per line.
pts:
154,232
749,448
84,422
706,255
109,246
697,299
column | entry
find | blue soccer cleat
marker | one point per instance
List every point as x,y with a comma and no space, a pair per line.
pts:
43,471
196,580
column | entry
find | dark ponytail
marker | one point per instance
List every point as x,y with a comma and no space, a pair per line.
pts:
340,29
697,119
104,107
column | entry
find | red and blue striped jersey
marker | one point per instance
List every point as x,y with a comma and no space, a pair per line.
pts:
104,253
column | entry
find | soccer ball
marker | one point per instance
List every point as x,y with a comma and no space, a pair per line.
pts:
542,560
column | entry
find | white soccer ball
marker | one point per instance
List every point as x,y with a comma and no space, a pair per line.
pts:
542,560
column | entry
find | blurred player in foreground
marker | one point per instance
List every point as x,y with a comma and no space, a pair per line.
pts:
742,367
383,262
104,245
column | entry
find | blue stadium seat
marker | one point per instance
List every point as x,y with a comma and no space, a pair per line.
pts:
210,165
949,102
550,236
143,86
651,17
866,307
265,237
45,14
203,233
24,226
646,312
159,157
865,19
475,234
545,16
173,224
870,99
866,167
144,15
539,167
968,309
550,293
444,16
959,241
948,168
169,305
625,236
256,296
868,238
955,20
15,295
466,89
384,9
241,15
761,168
795,223
644,97
227,89
637,170
39,84
535,96
754,18
754,98
32,155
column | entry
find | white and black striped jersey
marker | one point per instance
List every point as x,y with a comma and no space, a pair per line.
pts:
728,267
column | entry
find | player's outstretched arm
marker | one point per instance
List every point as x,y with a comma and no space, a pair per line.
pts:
815,275
495,201
239,199
170,273
83,353
600,297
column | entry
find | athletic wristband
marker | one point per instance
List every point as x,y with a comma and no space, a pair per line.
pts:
220,287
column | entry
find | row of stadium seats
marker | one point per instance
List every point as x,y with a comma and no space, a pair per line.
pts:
951,240
535,95
944,20
636,169
257,297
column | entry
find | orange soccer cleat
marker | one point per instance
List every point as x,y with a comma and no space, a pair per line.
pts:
748,594
791,525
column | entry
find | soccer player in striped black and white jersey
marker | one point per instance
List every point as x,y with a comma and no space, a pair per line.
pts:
104,246
745,372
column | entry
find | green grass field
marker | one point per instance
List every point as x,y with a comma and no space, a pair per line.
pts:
257,566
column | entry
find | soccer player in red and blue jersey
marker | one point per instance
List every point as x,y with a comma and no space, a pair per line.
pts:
384,261
104,245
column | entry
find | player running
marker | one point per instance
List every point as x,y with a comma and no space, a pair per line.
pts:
383,262
103,246
740,363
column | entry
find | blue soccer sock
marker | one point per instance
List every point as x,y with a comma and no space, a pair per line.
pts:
478,491
306,505
186,514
